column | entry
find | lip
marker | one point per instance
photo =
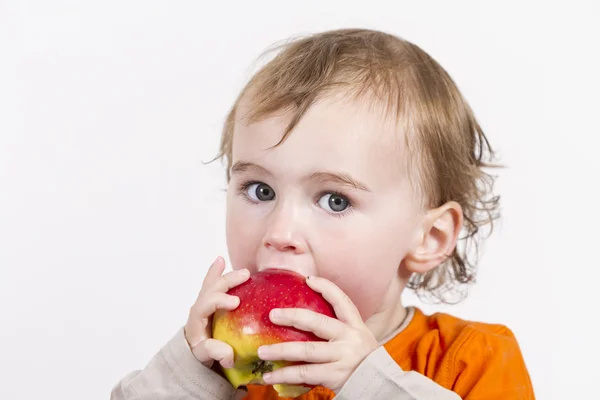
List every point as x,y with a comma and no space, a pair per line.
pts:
300,271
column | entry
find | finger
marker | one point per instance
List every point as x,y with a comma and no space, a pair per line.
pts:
311,374
230,280
344,308
203,308
307,320
214,272
212,349
216,301
312,352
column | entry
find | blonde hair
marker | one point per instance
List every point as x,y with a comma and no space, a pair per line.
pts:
447,144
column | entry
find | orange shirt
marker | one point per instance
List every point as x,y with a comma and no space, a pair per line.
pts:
473,359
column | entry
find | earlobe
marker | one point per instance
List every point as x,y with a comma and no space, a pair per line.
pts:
441,227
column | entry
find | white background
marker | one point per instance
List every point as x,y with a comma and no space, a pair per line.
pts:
109,218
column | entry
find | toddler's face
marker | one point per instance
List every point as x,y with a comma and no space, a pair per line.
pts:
332,200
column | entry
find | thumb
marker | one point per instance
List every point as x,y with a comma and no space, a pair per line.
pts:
210,350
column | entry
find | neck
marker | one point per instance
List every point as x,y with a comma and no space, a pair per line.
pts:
384,322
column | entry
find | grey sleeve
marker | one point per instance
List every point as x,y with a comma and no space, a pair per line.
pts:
174,373
380,377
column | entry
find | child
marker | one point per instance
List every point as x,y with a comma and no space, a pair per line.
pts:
354,160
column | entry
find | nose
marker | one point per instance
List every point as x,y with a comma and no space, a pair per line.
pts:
284,232
283,242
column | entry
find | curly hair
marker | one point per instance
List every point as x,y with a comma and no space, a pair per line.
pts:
448,150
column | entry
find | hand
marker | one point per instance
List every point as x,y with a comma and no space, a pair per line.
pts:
212,297
331,363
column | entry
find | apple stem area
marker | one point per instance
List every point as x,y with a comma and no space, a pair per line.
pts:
262,367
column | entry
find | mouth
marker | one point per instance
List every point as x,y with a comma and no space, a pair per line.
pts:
286,267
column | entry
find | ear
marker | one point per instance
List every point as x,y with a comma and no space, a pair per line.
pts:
440,229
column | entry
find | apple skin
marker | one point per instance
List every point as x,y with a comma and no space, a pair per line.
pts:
248,327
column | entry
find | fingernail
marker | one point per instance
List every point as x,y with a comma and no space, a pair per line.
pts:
276,313
245,271
267,377
262,351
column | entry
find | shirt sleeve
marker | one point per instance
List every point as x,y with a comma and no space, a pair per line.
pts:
174,373
380,377
491,366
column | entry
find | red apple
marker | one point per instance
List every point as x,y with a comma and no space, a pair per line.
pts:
248,327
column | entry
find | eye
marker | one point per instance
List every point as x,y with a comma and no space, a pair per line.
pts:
335,202
260,192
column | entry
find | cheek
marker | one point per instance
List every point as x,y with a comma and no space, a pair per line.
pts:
242,237
368,289
364,273
364,262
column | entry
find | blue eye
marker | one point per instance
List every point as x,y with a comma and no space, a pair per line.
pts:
334,202
260,192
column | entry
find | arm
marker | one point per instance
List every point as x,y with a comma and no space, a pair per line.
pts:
172,373
380,377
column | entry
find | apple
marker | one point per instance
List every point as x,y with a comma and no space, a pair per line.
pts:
248,327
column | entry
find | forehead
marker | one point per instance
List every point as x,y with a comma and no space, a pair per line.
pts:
357,137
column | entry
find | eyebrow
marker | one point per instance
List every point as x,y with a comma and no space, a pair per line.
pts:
242,166
338,178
